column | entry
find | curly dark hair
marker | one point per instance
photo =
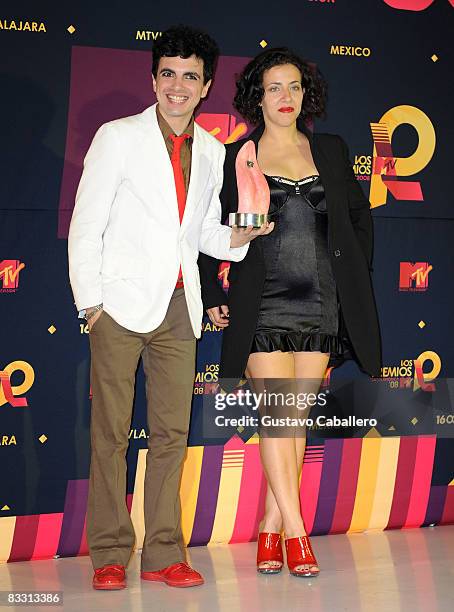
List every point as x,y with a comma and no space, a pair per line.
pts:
184,41
249,85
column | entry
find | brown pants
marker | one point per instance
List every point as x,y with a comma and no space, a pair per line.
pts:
168,355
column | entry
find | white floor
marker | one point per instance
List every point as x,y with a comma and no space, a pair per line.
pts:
411,570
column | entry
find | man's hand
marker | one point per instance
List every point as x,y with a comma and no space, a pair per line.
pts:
219,315
243,235
92,320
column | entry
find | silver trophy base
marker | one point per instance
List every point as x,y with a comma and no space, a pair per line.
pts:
245,219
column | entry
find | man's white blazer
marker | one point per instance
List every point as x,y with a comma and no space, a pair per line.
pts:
125,241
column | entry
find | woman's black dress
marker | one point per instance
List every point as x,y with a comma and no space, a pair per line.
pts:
299,308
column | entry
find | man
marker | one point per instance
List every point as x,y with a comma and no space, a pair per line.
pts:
146,204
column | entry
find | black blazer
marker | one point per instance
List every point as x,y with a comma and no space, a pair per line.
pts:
350,238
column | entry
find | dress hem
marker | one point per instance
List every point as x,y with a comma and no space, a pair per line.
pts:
267,342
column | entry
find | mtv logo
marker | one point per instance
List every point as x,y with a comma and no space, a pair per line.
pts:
9,274
414,276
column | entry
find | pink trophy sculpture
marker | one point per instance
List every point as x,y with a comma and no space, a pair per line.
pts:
253,190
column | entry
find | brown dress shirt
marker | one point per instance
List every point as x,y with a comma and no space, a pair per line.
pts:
186,150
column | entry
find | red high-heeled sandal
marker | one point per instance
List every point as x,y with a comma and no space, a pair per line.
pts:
269,549
299,552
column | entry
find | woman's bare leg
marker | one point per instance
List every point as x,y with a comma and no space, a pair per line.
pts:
260,367
282,457
309,369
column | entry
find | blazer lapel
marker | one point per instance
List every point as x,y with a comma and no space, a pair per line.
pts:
323,165
201,168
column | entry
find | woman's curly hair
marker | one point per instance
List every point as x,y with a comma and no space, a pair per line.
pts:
250,92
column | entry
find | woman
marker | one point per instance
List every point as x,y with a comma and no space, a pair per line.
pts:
302,296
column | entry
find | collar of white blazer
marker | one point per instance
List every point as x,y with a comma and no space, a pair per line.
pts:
161,170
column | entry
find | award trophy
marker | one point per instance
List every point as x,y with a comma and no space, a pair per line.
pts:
253,190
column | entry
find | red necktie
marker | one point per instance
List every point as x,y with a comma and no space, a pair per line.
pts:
180,186
175,159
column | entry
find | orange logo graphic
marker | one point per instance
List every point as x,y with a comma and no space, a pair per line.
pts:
9,275
404,376
387,168
223,126
423,379
7,391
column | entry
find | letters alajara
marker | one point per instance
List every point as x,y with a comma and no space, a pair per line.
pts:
22,26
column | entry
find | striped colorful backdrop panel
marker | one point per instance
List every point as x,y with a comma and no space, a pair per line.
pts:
347,485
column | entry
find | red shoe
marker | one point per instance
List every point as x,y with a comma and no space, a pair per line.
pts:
299,552
110,578
269,549
176,575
